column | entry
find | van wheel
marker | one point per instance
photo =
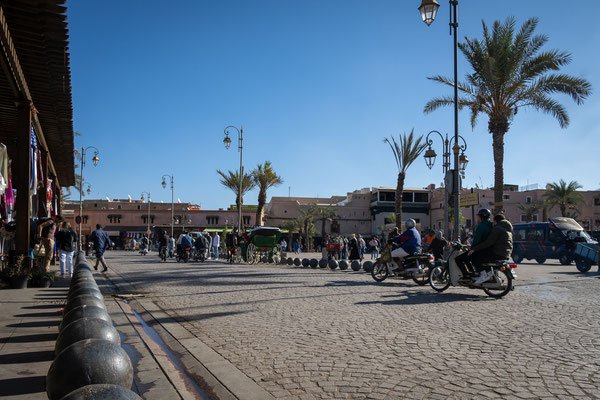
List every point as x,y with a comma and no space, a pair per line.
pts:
517,257
565,259
540,260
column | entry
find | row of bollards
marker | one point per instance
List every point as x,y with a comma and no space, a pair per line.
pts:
356,265
90,363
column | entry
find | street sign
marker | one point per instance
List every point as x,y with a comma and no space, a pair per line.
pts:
469,199
78,220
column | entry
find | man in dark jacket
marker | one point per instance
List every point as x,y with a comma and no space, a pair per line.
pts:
483,230
101,242
498,246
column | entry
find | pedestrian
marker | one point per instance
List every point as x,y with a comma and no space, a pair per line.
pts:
437,245
374,245
427,239
362,245
354,248
209,245
344,248
65,242
296,246
46,229
215,245
283,245
101,242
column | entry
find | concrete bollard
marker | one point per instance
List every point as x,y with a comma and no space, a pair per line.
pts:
297,262
355,265
86,328
305,262
87,362
314,263
333,264
84,312
368,266
87,291
323,263
102,392
290,261
343,265
83,300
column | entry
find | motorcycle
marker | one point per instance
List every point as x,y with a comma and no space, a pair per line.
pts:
446,273
199,255
163,253
415,266
184,254
143,249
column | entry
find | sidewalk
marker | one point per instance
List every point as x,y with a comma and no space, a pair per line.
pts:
28,331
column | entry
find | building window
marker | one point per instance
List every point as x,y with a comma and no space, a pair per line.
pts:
525,218
84,219
597,201
387,196
528,199
138,207
468,223
211,220
119,207
506,197
421,197
246,219
114,219
407,197
95,205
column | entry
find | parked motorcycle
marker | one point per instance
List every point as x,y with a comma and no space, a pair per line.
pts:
184,254
447,272
415,266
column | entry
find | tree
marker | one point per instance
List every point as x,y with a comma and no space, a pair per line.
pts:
530,209
264,177
405,152
564,195
323,214
291,226
306,221
231,180
510,72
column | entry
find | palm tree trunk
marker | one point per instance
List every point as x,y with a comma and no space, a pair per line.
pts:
262,199
323,227
498,150
398,203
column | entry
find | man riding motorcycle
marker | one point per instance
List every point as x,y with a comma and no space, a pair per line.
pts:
163,242
498,246
183,241
483,230
409,240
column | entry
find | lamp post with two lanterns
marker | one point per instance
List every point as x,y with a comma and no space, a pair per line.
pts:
227,143
428,10
164,185
430,156
95,161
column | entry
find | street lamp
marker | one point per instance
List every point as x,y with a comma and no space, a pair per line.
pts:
95,160
164,185
428,10
430,156
148,219
227,143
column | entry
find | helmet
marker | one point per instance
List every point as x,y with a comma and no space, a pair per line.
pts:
484,212
410,223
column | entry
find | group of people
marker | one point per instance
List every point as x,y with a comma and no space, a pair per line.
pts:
354,247
206,244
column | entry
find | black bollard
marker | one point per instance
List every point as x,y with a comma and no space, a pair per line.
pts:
290,261
102,392
297,262
343,265
83,300
314,263
305,262
87,362
355,265
333,264
88,291
84,312
323,263
368,266
86,328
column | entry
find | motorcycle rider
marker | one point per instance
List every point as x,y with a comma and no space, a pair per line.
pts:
409,240
498,246
183,241
163,242
483,230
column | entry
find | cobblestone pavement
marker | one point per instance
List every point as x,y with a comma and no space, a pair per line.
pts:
319,334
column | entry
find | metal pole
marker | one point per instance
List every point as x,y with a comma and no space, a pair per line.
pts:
456,188
446,167
172,203
241,147
148,221
81,195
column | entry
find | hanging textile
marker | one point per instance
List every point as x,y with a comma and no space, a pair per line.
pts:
49,197
9,197
3,168
33,182
39,168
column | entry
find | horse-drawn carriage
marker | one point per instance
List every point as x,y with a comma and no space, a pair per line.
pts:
261,245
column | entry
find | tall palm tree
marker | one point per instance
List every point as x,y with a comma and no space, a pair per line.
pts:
406,150
564,195
264,177
509,72
231,180
530,209
323,214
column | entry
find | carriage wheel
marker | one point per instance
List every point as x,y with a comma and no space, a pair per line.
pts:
276,256
237,258
252,254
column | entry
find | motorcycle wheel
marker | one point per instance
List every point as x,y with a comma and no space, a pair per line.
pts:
506,283
379,272
517,257
582,265
565,259
540,260
439,279
421,280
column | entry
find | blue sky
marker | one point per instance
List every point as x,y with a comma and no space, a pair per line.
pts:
316,84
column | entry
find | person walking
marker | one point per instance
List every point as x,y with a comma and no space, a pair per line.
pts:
65,242
46,231
101,242
362,245
437,245
354,247
216,242
374,245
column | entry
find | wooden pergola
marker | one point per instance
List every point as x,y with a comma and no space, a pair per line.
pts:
35,92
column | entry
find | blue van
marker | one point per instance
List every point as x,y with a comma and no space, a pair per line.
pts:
546,240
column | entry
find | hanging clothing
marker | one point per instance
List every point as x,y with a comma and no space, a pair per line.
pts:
33,182
3,168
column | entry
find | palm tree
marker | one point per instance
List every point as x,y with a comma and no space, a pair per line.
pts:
264,177
292,226
564,195
306,221
405,152
231,180
323,214
509,72
530,209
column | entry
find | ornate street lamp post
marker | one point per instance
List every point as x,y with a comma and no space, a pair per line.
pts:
164,185
148,218
430,156
227,143
95,161
428,10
